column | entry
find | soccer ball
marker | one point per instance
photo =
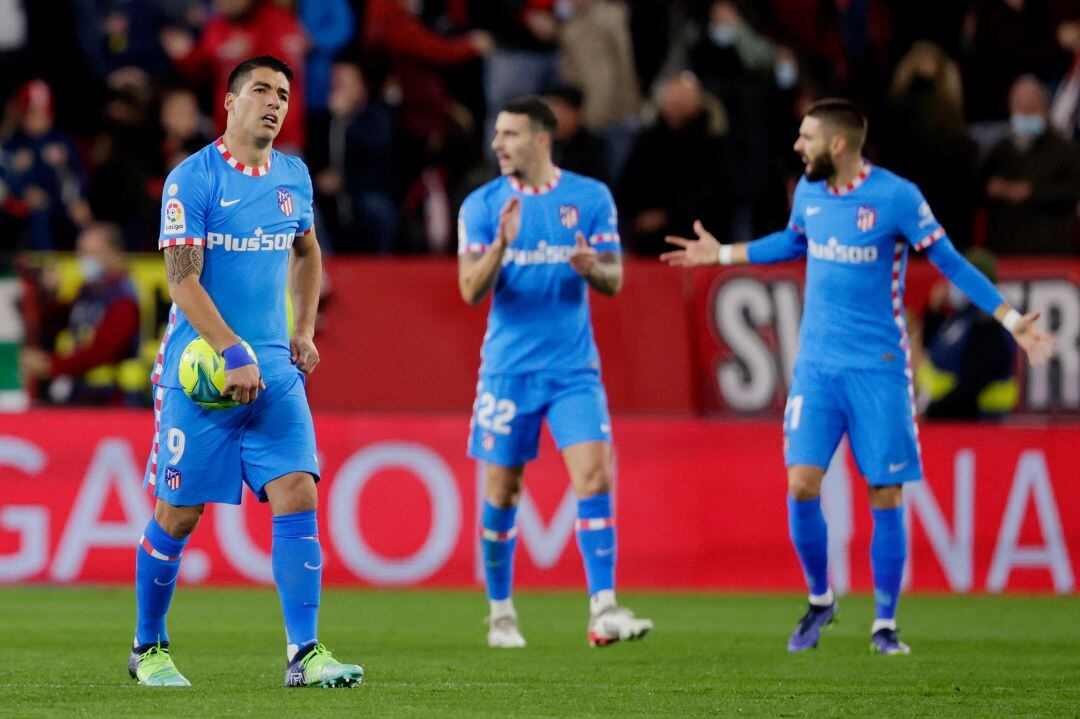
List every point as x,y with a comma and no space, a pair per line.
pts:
202,374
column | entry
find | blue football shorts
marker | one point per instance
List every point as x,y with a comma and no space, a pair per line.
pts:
874,408
206,455
509,408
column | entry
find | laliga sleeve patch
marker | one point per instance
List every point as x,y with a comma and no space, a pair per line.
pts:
175,217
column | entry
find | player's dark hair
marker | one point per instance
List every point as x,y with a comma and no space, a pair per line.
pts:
240,73
540,115
842,114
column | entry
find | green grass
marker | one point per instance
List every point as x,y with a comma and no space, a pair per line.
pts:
63,652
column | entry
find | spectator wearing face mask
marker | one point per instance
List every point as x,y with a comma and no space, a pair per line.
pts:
969,359
94,357
1031,180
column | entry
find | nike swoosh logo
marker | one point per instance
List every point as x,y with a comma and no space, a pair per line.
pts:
164,584
308,566
812,211
230,203
604,552
894,468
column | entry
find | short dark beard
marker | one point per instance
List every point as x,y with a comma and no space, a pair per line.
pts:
820,168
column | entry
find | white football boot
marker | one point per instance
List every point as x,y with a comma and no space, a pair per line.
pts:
503,632
610,623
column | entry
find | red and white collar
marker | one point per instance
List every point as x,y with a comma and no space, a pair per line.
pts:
537,190
246,169
851,186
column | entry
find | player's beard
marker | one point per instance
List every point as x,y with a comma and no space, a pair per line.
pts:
820,168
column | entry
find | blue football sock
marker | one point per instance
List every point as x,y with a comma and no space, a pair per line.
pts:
157,564
810,535
498,538
888,550
296,558
596,540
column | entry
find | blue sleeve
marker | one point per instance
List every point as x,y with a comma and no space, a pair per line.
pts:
602,228
475,227
915,220
786,244
184,207
330,23
963,274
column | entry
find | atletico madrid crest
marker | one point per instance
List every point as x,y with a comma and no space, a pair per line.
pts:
568,216
172,478
284,200
865,217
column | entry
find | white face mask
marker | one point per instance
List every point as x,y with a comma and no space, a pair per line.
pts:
957,298
563,9
722,35
90,268
1029,126
787,74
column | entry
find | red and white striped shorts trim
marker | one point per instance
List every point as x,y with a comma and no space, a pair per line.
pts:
155,553
492,536
584,525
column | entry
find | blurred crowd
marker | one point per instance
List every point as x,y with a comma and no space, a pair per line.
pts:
687,108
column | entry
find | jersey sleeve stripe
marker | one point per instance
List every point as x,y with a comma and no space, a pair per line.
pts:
473,248
604,237
796,228
930,239
177,241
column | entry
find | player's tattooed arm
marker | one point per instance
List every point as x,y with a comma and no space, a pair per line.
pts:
183,267
183,261
607,274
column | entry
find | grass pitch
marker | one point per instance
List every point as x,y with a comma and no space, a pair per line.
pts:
64,653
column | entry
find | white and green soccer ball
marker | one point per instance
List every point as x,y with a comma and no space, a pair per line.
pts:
202,374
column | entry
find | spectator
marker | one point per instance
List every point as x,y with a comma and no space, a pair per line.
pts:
679,169
184,128
41,177
1031,179
576,149
1065,109
925,140
243,29
128,35
356,191
525,59
597,57
94,359
13,47
969,358
330,25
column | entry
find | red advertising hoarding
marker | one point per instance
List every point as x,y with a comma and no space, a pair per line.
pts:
699,504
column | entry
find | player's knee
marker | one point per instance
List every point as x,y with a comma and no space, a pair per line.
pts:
503,487
887,497
178,522
593,481
804,482
292,493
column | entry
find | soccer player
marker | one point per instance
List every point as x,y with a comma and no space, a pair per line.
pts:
236,220
854,222
541,236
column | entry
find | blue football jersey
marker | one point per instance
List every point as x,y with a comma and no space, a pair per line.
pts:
246,218
539,317
857,242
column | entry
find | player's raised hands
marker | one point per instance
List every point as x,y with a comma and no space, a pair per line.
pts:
303,353
509,222
583,258
1038,345
694,253
243,383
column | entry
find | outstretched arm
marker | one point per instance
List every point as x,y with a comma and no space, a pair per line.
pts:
1038,345
707,250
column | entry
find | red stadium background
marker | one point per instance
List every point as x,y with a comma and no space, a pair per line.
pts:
700,502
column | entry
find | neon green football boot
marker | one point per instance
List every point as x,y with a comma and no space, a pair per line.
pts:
314,666
154,668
